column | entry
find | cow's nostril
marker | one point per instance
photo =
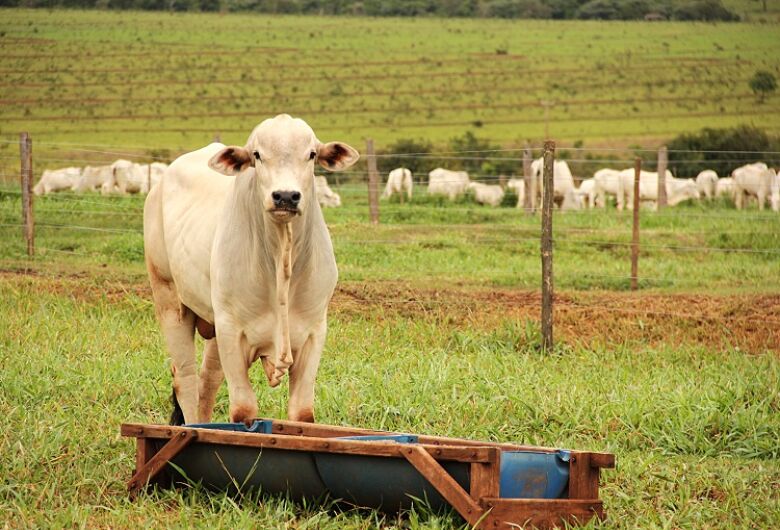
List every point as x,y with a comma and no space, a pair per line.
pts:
276,196
296,196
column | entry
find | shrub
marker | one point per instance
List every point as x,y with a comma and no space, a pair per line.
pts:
714,149
763,83
709,10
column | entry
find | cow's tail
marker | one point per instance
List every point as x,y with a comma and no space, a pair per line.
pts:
177,416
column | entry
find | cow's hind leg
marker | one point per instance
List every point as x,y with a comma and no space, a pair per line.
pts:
302,376
211,377
178,327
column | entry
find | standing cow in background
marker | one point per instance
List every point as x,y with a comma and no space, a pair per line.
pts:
236,247
399,181
707,182
677,190
564,190
326,196
759,181
606,182
453,184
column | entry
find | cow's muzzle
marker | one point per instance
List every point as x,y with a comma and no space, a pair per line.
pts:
286,200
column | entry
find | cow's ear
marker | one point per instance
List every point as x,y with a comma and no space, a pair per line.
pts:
336,156
231,160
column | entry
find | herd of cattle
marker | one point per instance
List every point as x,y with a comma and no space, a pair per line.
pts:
752,181
756,181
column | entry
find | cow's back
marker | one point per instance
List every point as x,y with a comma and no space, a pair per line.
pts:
180,221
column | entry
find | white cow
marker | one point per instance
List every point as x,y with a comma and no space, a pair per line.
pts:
399,181
130,177
95,178
453,184
518,185
677,190
236,247
707,182
759,181
725,187
487,194
326,196
606,182
564,190
587,193
58,180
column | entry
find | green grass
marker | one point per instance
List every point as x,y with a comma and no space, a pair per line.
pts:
144,82
695,426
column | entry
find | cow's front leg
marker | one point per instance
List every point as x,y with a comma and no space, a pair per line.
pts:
211,377
236,357
302,376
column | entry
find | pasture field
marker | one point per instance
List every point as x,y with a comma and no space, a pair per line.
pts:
433,329
150,83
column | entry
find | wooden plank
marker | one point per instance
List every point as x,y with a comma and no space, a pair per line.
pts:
538,513
302,443
529,200
443,482
318,430
144,451
486,477
152,467
583,477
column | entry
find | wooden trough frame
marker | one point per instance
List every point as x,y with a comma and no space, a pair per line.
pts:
482,506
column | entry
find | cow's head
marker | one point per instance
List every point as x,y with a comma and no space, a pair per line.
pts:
282,152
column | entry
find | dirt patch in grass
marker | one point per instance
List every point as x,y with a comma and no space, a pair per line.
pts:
750,323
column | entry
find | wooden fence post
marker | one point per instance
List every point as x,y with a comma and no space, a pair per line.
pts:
547,244
373,183
662,163
635,232
529,201
26,178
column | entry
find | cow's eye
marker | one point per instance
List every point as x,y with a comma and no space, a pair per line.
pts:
312,155
257,155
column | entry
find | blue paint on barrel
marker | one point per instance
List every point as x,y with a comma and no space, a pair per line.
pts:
383,483
534,475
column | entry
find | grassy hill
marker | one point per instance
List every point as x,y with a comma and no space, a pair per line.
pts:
142,82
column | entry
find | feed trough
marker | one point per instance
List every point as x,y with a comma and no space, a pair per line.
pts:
494,485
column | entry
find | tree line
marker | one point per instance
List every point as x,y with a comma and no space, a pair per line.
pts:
708,10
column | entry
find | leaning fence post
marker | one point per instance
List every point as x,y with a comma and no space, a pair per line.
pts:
373,183
662,163
547,263
635,232
529,201
26,178
149,177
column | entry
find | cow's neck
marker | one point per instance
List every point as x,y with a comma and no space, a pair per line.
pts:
284,250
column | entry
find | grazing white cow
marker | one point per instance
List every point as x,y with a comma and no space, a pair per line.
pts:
606,182
326,196
453,184
725,187
564,190
236,247
759,181
130,177
95,178
399,181
487,194
58,180
587,193
519,186
677,190
707,182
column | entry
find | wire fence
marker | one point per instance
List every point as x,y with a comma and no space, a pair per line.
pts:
73,216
